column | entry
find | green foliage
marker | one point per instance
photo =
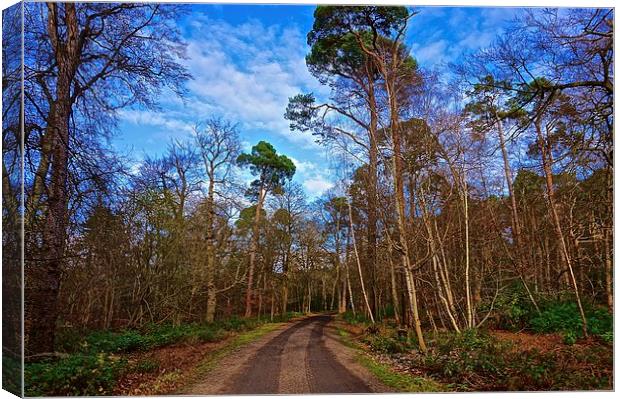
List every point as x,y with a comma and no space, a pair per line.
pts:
246,217
608,337
340,20
528,185
337,55
557,318
459,355
107,341
513,308
483,362
564,317
569,337
211,335
384,344
145,366
270,168
514,311
79,374
386,338
357,318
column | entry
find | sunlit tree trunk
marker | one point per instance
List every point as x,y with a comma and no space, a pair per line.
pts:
253,252
371,245
210,267
470,312
516,227
400,208
359,263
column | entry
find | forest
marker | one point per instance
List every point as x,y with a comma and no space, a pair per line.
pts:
472,206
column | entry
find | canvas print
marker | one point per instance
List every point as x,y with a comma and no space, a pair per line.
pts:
204,199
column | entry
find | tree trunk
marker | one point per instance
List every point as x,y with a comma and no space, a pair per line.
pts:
546,163
348,277
608,240
393,288
359,264
253,252
400,208
443,289
516,228
210,269
371,247
285,296
43,280
470,312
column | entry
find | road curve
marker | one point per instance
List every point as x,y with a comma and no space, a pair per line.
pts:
303,357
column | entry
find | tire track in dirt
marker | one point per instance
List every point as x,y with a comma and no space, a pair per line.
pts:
325,373
306,357
262,372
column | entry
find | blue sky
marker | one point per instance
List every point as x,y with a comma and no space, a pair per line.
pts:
247,60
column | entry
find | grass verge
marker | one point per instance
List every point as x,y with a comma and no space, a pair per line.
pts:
400,382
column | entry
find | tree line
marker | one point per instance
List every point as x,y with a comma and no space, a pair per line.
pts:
454,192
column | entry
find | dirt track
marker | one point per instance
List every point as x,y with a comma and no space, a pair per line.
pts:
302,357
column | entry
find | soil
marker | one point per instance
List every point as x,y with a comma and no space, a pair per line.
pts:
173,360
527,341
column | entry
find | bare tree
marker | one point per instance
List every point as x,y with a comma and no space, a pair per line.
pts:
77,55
218,145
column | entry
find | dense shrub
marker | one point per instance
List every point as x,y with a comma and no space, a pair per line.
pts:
564,317
482,362
466,354
79,374
512,309
356,318
384,344
107,341
385,338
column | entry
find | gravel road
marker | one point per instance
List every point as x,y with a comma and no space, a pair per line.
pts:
302,357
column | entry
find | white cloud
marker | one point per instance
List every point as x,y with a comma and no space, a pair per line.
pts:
304,166
432,53
247,73
155,118
135,167
317,185
312,176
